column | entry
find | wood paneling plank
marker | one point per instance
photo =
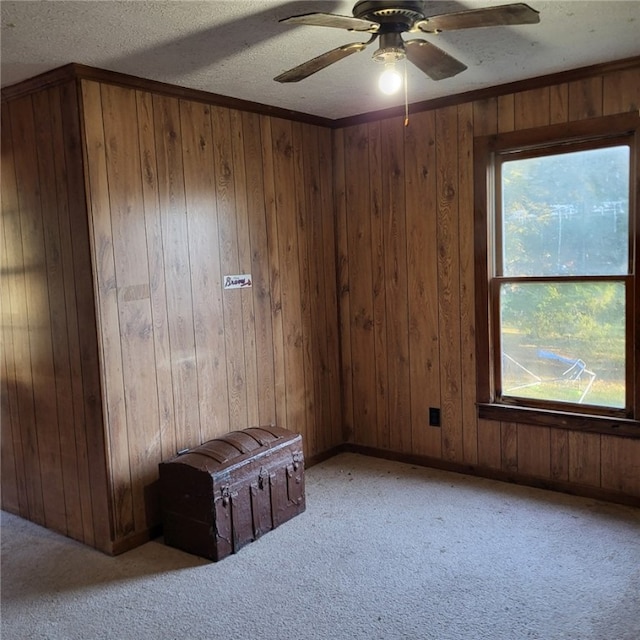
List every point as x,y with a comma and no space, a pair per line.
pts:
28,300
621,465
534,451
11,467
621,92
424,353
64,323
506,113
485,117
124,173
309,322
342,276
532,108
559,454
467,277
8,422
509,446
203,205
378,252
558,103
284,174
256,222
54,355
275,280
229,265
107,305
327,238
489,444
13,320
448,282
166,429
90,429
361,302
396,295
584,458
175,238
585,98
311,214
242,188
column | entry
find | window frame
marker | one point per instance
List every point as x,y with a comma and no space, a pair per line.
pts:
591,133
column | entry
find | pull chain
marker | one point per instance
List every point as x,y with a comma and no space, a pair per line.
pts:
406,96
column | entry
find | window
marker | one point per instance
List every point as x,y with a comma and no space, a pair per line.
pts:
557,287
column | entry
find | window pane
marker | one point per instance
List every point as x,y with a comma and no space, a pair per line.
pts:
564,342
566,214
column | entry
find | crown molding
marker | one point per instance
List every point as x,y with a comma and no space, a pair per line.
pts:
491,92
75,72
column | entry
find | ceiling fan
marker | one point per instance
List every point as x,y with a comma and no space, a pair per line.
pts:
389,19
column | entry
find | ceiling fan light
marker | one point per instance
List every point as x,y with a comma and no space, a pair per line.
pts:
389,55
390,80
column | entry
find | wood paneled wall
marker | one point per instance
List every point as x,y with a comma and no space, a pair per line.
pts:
406,284
122,211
182,194
53,464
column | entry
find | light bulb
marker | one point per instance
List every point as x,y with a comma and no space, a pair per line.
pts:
390,80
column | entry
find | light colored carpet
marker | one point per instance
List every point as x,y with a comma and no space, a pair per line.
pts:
385,550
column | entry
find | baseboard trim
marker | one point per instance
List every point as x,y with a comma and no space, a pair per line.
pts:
583,491
135,540
606,495
321,457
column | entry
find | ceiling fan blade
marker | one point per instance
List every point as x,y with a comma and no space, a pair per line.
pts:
508,14
435,62
333,20
310,67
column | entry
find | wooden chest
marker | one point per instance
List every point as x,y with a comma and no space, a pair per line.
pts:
227,492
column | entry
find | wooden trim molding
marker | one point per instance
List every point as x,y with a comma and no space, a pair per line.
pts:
46,80
604,425
80,71
126,544
478,471
623,423
491,92
311,461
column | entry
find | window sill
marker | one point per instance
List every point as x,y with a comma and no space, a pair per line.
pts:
589,423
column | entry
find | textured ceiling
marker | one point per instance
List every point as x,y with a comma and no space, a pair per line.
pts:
235,48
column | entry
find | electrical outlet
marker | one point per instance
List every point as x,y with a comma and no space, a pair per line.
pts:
434,417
